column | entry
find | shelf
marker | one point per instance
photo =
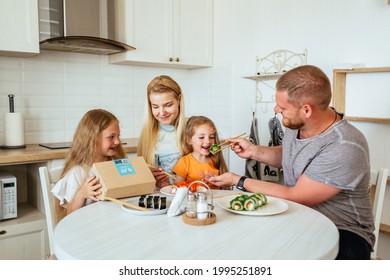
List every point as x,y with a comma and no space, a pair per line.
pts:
264,77
384,228
26,214
339,91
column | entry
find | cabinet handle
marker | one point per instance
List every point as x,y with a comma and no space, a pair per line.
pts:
177,59
170,59
3,231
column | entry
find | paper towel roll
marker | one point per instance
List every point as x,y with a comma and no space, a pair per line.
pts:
14,130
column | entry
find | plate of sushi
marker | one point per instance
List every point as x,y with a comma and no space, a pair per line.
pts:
156,204
256,204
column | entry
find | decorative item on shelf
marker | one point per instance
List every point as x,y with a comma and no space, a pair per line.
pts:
270,68
198,209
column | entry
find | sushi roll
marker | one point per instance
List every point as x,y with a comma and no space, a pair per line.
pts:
149,202
156,202
250,204
163,203
264,198
261,199
142,201
214,149
237,204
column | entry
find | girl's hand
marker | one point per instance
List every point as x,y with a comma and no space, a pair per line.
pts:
91,188
225,180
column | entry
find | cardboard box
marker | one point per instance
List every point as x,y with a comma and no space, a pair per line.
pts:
124,177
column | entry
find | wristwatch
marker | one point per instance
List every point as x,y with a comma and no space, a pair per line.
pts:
240,184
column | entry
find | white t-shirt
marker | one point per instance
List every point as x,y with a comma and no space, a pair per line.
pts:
66,188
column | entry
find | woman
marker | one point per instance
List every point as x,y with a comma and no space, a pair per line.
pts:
160,142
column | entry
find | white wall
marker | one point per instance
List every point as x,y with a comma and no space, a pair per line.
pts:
55,89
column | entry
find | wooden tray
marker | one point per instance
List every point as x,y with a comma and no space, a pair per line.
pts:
197,222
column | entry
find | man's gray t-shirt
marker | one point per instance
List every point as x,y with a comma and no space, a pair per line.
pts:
339,158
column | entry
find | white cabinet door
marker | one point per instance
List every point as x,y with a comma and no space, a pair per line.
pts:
24,238
19,32
193,32
169,33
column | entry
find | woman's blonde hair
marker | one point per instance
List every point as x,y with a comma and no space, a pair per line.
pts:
149,133
83,150
192,124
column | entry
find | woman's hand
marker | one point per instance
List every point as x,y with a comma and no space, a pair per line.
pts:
162,179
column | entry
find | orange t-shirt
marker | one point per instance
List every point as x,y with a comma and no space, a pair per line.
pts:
192,170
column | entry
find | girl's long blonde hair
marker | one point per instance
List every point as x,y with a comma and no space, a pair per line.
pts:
194,122
148,138
83,150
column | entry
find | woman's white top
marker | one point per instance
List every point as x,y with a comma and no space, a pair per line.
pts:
167,153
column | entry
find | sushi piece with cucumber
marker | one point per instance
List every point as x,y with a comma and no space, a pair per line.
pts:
237,204
251,203
248,202
261,199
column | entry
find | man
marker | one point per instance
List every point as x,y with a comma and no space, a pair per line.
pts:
325,160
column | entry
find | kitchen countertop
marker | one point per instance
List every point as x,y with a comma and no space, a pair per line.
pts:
36,153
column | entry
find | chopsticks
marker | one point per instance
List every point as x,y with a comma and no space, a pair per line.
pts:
230,194
131,205
227,142
166,173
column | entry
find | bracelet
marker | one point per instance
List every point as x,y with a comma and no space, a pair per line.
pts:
240,184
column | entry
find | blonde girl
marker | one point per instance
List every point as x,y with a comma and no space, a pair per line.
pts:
96,139
198,163
161,135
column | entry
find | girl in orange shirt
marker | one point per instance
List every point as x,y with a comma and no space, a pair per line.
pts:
198,163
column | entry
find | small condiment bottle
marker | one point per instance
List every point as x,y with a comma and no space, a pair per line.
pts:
201,206
191,205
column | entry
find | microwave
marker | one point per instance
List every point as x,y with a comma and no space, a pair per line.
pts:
8,196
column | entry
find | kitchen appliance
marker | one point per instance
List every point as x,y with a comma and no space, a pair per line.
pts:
8,196
86,26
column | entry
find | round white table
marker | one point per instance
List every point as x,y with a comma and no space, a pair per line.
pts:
105,231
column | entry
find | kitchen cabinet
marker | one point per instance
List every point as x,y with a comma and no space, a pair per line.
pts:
19,28
166,33
24,237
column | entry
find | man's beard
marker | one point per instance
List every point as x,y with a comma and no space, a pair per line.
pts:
296,124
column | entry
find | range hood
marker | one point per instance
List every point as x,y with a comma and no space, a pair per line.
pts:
83,26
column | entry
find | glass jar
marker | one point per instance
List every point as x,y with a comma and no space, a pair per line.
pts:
201,206
191,205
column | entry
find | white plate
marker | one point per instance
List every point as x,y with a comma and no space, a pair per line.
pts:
151,211
167,191
274,206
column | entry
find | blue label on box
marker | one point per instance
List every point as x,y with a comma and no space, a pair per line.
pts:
124,166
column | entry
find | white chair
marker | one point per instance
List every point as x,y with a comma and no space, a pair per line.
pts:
49,201
378,181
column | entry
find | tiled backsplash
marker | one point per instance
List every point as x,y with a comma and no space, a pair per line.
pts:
54,89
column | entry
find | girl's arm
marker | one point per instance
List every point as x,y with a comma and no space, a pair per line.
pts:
179,179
